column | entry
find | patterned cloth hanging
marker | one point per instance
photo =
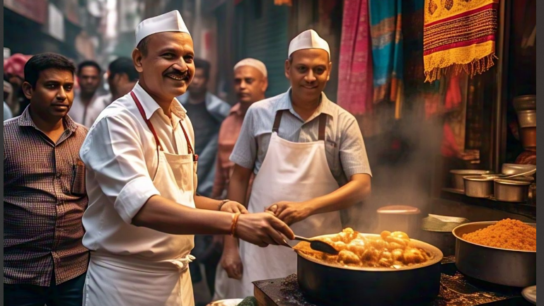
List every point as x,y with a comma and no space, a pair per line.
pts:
355,67
387,53
459,34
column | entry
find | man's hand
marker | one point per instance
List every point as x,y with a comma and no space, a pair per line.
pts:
234,207
232,263
290,212
263,229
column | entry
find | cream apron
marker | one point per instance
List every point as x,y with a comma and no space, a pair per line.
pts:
291,171
121,280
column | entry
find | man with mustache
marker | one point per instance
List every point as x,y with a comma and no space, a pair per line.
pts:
44,191
141,168
301,147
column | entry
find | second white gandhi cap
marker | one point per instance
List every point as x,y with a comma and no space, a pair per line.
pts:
308,39
168,22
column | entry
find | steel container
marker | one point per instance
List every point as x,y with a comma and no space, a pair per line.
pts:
457,177
511,190
478,186
494,265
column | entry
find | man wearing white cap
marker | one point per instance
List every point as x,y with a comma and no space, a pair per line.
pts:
302,147
250,84
141,182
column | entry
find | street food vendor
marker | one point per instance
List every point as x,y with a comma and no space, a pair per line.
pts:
309,159
141,182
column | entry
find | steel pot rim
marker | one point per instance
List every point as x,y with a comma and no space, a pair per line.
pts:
478,178
510,182
470,171
485,246
438,255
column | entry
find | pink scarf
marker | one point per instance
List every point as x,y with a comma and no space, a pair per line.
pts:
355,68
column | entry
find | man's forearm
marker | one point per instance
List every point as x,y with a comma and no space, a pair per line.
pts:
202,202
167,216
356,190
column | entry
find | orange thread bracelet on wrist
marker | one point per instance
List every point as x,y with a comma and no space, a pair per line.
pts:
233,226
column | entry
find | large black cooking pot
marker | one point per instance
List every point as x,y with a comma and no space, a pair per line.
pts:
328,284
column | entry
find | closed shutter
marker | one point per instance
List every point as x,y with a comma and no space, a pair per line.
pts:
265,37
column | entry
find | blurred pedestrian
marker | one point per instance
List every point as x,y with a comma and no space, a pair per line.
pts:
14,74
122,77
86,109
207,113
8,91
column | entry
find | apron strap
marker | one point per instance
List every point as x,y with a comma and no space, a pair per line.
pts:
277,120
322,123
149,125
189,146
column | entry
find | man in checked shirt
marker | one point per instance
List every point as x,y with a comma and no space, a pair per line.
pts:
44,191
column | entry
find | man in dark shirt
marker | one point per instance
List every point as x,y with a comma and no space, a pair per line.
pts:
44,191
207,112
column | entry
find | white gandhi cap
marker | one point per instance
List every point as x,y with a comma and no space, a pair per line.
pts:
168,22
308,39
257,64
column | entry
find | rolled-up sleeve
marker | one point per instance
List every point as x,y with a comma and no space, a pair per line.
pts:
245,149
113,151
352,150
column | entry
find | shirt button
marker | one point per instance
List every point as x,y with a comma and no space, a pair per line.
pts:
58,175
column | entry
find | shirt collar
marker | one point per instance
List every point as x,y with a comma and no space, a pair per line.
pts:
236,109
325,106
150,106
26,120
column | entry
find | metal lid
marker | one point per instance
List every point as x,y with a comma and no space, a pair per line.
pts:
479,178
399,210
491,175
512,182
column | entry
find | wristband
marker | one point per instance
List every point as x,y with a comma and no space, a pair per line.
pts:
222,203
234,223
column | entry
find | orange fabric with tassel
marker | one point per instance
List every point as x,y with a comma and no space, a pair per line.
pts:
459,35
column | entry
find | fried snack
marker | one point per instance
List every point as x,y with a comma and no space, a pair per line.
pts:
505,234
389,250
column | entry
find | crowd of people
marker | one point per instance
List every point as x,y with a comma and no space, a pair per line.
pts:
115,199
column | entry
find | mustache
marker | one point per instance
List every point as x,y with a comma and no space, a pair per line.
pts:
177,72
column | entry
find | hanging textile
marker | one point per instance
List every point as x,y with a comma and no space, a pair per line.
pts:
355,64
283,2
387,53
459,34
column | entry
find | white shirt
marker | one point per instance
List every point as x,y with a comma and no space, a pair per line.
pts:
104,100
120,154
85,115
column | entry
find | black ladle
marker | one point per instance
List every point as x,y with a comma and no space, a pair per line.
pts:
318,245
